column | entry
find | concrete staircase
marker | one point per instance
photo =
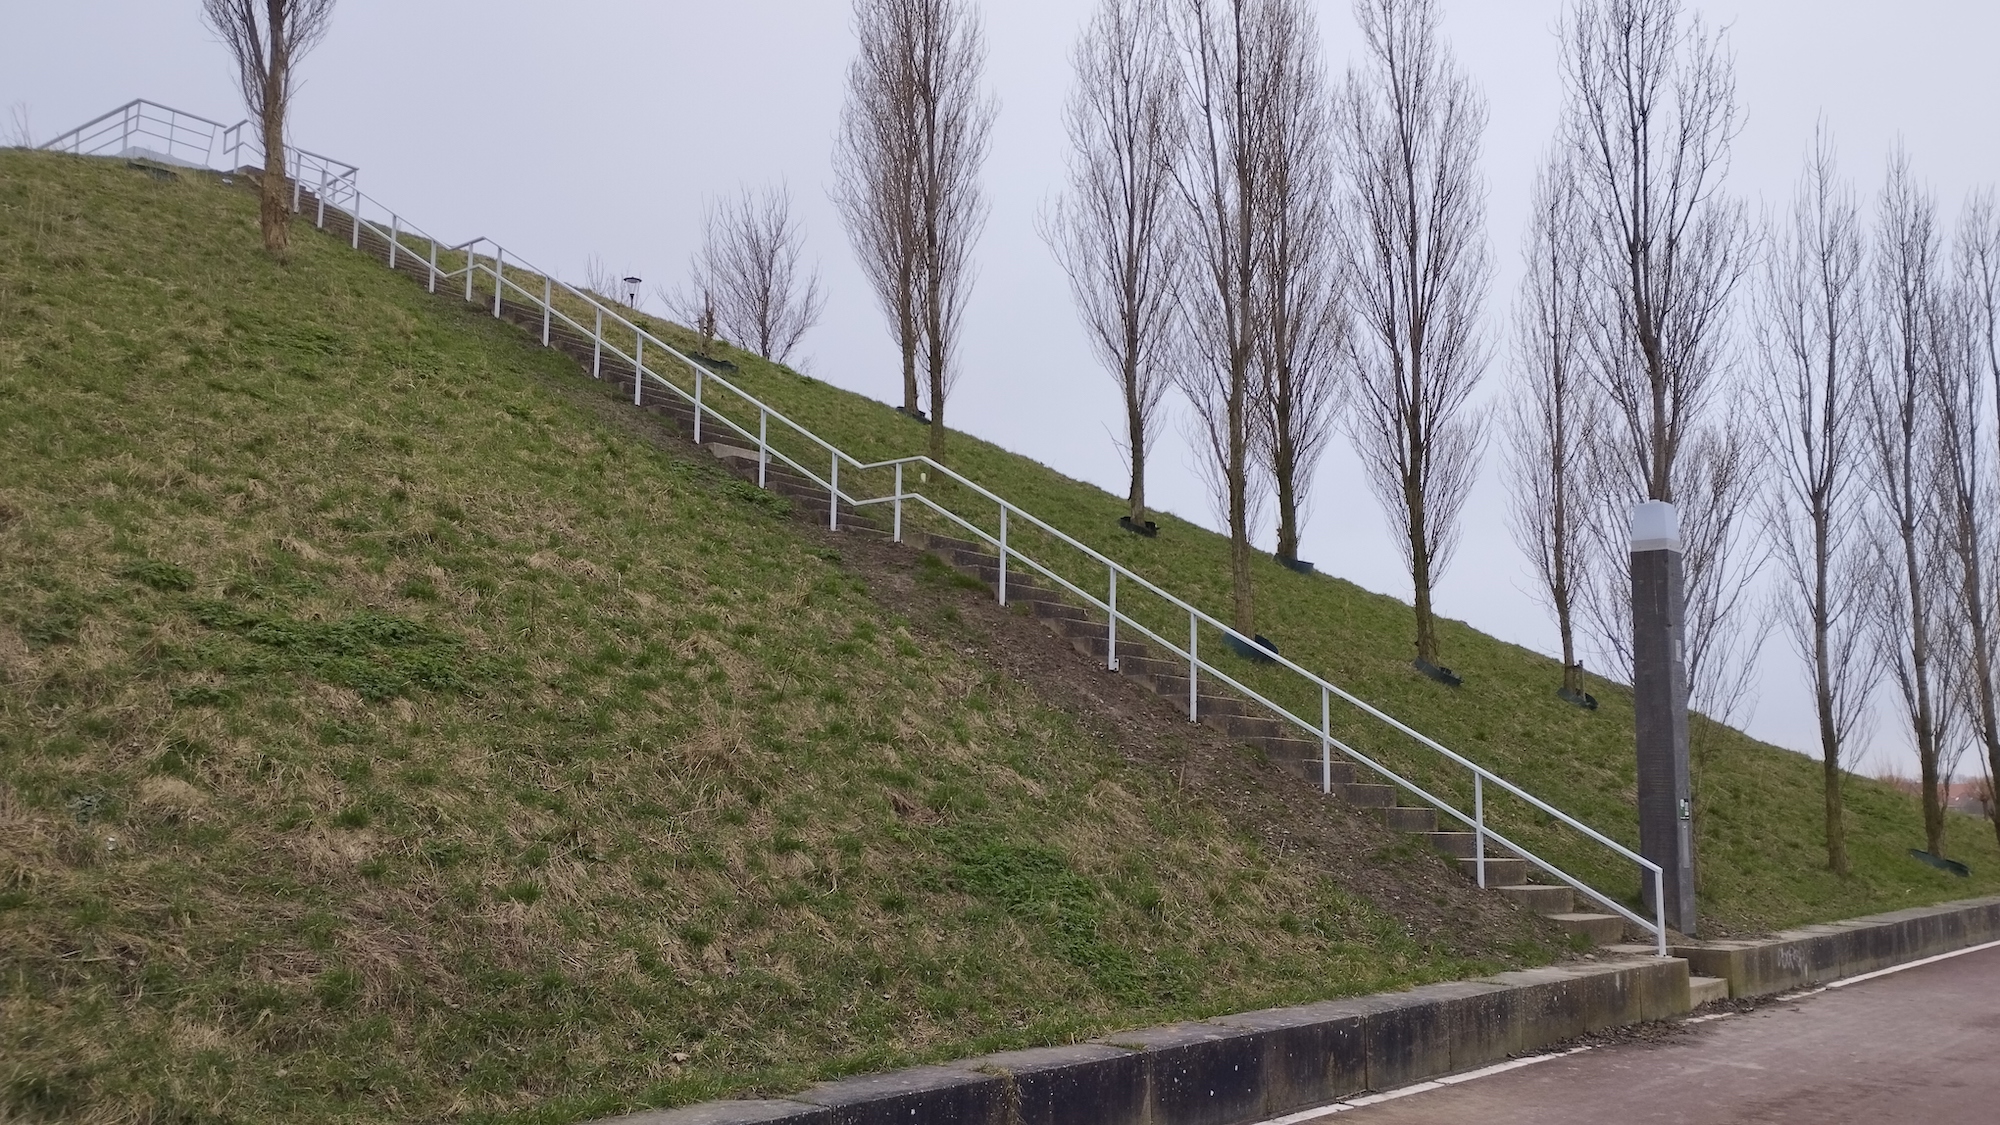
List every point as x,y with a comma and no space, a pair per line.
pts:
1086,629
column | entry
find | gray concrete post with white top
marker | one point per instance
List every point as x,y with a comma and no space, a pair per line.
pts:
1660,708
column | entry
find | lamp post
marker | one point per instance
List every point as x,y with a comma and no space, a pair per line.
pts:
1660,708
632,291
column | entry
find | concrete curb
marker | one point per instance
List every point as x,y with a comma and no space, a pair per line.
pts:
1239,1068
1818,954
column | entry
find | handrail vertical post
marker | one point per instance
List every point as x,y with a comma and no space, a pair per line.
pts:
434,267
833,495
395,232
597,347
1325,740
319,221
638,367
548,306
1479,827
469,256
1659,914
354,219
697,404
763,444
1003,554
298,186
1111,638
499,277
1194,670
897,503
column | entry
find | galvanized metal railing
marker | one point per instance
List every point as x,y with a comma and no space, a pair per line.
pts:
608,329
701,397
195,141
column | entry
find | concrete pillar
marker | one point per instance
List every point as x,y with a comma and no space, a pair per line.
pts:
1660,706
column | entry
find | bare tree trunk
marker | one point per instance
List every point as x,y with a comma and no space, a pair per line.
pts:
1548,420
1223,46
1969,340
1649,117
1901,423
1414,233
1306,320
875,165
266,39
1812,359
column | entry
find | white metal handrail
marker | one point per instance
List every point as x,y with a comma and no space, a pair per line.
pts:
198,141
705,411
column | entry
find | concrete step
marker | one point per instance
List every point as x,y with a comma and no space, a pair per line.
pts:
1705,990
1367,796
1538,898
1499,872
1601,929
1405,819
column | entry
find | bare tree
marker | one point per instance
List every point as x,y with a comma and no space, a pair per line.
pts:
1300,277
20,128
1549,423
1114,233
914,135
749,279
1414,231
1968,362
1901,422
1651,110
1223,47
875,161
267,38
1811,358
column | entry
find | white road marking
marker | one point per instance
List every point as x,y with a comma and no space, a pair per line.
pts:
1305,1115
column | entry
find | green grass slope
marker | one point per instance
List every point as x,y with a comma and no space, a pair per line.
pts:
391,731
1760,824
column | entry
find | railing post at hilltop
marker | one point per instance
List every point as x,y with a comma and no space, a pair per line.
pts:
469,256
697,404
1111,638
1479,827
1003,554
499,277
298,186
548,306
395,233
833,490
1325,740
763,444
898,502
597,345
434,267
639,367
354,218
1194,670
319,221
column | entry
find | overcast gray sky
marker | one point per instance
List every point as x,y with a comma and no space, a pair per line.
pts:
599,126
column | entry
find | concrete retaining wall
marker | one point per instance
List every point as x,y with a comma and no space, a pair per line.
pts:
1818,954
1239,1068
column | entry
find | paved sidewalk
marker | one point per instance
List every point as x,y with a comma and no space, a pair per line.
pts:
1922,1046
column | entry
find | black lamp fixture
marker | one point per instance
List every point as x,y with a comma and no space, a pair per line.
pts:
632,291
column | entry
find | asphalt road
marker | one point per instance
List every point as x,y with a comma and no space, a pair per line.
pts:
1920,1046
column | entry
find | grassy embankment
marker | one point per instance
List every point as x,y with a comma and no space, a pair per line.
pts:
1761,840
390,732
